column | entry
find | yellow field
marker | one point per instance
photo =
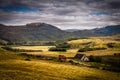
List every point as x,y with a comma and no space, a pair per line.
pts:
76,44
69,53
14,67
93,42
43,48
41,70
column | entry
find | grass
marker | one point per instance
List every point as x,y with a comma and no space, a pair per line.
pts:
43,70
107,52
43,48
5,55
72,52
69,53
96,42
14,67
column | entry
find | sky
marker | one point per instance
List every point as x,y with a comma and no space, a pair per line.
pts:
64,14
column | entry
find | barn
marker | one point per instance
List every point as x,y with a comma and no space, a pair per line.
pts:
62,58
82,57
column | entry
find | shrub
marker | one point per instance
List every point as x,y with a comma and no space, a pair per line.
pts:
91,58
95,58
20,50
98,59
63,45
57,49
7,48
90,49
27,59
112,45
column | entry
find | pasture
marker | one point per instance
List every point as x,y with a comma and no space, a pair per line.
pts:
14,67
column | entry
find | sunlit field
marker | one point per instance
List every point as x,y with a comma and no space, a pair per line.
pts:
43,48
14,67
45,51
75,45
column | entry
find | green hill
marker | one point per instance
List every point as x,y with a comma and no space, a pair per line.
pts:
31,32
36,32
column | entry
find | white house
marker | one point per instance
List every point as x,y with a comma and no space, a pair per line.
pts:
82,57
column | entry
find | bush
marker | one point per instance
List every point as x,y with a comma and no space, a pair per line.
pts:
98,59
95,58
63,45
112,45
57,49
27,59
91,58
20,50
7,48
90,49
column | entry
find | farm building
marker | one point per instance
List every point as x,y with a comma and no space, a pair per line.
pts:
62,58
82,57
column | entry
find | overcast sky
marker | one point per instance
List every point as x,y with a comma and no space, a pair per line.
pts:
65,14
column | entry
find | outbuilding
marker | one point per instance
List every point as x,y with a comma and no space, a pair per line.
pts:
82,57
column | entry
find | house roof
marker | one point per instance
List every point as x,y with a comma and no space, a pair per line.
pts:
79,56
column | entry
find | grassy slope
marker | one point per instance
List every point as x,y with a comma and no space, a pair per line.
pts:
13,67
92,42
97,42
76,44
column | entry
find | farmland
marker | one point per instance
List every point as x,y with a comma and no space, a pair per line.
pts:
77,44
16,67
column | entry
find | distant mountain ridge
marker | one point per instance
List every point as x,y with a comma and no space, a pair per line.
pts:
105,31
47,32
71,30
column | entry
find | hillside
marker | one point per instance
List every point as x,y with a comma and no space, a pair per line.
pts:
14,68
105,31
31,32
97,42
46,32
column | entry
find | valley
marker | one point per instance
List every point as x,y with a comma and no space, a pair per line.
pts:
59,39
33,51
45,64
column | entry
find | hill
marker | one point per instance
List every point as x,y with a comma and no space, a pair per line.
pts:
71,30
46,32
31,32
14,68
108,30
110,45
105,31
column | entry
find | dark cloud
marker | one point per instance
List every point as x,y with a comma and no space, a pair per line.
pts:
62,13
114,5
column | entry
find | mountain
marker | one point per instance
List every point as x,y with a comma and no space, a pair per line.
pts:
47,32
71,30
105,31
31,32
108,30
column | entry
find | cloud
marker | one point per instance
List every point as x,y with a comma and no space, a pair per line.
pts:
65,14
